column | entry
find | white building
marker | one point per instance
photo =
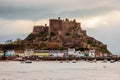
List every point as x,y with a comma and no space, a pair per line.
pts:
71,51
1,53
10,53
28,52
92,53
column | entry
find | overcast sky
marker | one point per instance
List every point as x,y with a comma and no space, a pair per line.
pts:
99,17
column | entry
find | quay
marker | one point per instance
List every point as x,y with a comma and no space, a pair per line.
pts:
63,59
75,58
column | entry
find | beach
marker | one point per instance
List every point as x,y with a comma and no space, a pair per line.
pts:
54,70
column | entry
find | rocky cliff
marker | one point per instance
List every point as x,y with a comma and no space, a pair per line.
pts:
63,34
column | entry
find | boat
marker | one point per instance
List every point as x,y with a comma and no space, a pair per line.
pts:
67,61
95,60
118,60
61,61
74,61
112,61
22,60
105,61
28,61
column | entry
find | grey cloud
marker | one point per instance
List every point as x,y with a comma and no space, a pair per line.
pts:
26,13
87,12
11,37
37,9
35,13
108,35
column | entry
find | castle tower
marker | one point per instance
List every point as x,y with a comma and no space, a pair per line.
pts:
61,27
55,25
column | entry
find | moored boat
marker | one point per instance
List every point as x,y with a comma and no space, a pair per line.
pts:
28,61
112,61
73,61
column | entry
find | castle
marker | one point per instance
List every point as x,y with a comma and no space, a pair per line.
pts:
58,26
65,33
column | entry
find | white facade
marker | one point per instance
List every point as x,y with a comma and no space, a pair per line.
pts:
92,53
1,53
71,51
75,53
28,52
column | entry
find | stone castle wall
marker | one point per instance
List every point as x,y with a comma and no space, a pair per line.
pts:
55,25
38,29
64,26
58,26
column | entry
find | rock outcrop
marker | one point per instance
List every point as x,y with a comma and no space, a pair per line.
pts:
64,34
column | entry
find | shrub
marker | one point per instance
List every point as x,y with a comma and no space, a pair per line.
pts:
52,34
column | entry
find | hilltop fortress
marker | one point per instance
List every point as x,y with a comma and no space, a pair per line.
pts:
58,26
66,34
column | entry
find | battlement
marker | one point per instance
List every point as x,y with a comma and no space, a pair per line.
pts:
64,20
57,25
38,29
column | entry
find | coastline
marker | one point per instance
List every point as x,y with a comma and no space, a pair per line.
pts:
63,59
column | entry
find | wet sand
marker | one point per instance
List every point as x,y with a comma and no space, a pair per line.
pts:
54,70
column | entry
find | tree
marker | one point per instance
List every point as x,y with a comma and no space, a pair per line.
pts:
52,34
53,45
67,34
42,45
42,34
8,42
30,37
18,41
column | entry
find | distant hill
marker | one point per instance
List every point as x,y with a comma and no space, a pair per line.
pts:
63,34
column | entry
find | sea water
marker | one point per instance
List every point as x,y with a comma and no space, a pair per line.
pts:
54,70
